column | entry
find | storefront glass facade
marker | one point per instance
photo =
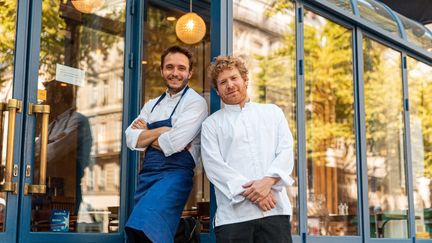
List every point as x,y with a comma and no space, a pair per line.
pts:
353,79
343,91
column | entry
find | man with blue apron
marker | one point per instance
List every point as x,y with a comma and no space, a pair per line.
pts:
168,130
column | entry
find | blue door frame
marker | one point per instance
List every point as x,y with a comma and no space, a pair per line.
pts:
26,65
12,211
26,62
133,77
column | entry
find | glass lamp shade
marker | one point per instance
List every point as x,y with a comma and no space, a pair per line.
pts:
190,28
87,6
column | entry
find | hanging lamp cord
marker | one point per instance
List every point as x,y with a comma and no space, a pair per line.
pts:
190,6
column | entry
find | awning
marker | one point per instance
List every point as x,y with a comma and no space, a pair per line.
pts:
418,10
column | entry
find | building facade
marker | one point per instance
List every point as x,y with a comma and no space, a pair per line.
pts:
352,78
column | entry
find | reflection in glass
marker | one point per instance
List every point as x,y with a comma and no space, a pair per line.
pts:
84,132
419,93
7,51
374,12
330,138
388,203
344,4
264,37
161,22
417,33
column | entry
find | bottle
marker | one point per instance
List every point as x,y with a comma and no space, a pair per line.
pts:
341,209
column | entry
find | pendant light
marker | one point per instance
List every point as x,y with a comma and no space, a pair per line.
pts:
190,28
88,6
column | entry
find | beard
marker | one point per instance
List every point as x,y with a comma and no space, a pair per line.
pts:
174,89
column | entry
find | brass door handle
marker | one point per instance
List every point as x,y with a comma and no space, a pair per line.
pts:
44,110
12,107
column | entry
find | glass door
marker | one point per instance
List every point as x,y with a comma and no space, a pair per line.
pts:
12,76
385,143
331,151
419,85
160,20
73,127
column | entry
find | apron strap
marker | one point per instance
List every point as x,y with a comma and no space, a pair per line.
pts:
158,101
163,96
184,92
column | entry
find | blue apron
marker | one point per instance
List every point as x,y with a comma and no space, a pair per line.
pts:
164,184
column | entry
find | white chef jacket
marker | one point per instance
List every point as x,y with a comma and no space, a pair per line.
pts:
241,145
186,123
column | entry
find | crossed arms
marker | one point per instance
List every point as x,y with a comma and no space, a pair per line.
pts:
186,127
148,137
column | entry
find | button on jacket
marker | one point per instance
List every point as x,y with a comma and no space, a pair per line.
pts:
244,144
186,122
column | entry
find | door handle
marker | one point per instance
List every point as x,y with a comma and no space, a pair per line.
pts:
13,107
3,109
44,110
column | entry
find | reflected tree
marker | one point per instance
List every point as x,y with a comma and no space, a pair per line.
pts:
329,103
160,33
85,39
420,86
7,38
275,80
329,106
61,23
382,72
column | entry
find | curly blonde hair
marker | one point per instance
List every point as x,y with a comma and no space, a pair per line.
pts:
221,63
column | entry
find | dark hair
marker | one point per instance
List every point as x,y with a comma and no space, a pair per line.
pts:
221,63
178,49
64,92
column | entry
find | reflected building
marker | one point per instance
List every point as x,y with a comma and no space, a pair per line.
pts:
101,99
264,36
353,79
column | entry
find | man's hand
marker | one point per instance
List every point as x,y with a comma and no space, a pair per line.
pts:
139,124
268,203
259,189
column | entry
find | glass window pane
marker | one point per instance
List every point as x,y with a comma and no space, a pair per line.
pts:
374,12
420,102
330,137
81,54
161,22
344,4
264,36
388,203
417,33
7,51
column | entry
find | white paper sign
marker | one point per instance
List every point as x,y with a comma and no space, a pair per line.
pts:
69,75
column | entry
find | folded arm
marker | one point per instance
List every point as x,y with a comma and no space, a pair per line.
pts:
138,137
185,129
147,137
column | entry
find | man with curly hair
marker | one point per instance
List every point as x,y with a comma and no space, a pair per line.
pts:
247,151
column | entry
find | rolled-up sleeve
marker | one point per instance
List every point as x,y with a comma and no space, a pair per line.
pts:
132,134
186,127
283,163
223,177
